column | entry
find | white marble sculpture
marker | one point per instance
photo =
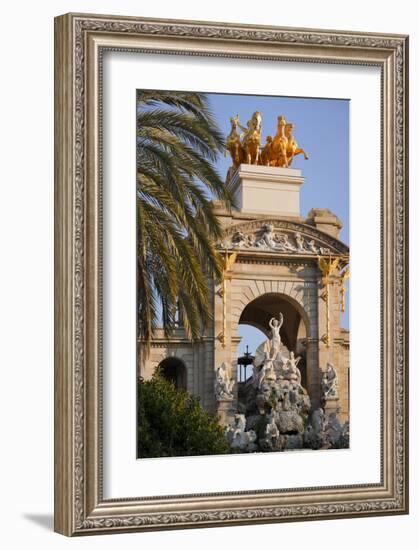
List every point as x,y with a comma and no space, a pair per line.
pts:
223,386
330,382
238,437
278,414
284,244
293,372
267,239
277,408
239,239
300,242
267,372
275,326
312,246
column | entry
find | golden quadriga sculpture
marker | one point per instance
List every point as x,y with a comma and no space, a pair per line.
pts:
245,147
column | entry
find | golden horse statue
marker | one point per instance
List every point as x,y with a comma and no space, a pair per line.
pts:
233,143
292,146
251,139
278,147
245,148
266,152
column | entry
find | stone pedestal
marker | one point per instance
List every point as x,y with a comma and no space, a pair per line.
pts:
226,411
267,190
331,405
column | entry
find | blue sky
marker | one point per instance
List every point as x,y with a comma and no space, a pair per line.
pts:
322,129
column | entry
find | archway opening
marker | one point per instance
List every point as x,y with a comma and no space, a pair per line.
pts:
256,316
174,370
251,338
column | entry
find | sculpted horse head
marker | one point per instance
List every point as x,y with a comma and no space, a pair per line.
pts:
257,121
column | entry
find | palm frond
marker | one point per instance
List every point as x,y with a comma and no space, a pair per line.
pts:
177,142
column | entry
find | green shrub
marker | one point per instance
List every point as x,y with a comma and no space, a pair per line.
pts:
172,422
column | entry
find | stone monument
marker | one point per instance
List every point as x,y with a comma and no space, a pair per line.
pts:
278,414
276,404
285,274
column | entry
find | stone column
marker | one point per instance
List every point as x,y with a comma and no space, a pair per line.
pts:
329,349
338,354
313,372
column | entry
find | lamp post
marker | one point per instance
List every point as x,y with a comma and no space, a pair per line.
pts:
244,361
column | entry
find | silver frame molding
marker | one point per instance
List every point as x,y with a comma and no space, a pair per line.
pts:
80,40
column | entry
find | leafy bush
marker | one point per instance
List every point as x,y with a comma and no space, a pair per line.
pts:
172,422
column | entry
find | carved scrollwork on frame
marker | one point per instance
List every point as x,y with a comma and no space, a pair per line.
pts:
223,517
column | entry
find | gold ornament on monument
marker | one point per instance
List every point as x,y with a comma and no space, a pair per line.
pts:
245,147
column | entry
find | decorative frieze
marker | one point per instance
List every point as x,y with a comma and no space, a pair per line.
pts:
282,238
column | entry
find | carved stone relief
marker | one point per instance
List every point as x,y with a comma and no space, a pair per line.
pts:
269,239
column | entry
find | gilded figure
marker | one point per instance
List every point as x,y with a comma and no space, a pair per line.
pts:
279,145
245,147
265,158
233,143
251,138
292,146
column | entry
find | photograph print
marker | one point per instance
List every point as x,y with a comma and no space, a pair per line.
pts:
242,273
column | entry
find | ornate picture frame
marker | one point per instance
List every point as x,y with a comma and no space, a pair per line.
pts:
80,41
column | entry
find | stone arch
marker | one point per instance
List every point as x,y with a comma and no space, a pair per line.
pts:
168,352
288,291
259,311
297,331
174,370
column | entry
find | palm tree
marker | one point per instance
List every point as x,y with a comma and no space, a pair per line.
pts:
177,142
